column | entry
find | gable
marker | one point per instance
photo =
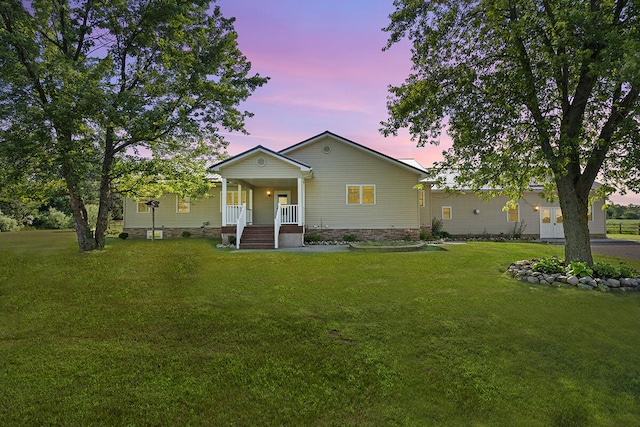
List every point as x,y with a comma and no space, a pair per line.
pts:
324,146
261,162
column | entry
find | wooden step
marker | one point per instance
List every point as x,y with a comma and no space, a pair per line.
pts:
257,237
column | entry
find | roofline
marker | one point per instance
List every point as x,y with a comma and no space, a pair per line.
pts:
216,167
356,145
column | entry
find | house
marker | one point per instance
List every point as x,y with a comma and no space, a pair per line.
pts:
330,186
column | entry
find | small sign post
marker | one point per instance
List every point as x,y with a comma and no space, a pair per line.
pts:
153,204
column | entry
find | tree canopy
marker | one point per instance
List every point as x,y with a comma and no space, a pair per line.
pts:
529,91
101,91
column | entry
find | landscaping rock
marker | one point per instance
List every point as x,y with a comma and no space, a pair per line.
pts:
523,270
573,280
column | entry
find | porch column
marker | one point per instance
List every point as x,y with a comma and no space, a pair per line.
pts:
300,200
223,195
239,194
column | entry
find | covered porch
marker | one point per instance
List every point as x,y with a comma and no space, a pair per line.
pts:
263,190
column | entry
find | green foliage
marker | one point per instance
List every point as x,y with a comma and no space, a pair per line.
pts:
54,219
425,232
186,234
123,235
349,238
232,240
605,270
550,265
615,211
437,226
313,238
7,223
87,98
528,92
626,271
579,269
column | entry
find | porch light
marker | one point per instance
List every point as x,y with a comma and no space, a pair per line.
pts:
536,208
476,211
268,193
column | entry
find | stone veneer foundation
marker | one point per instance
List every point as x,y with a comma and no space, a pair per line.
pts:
170,233
361,234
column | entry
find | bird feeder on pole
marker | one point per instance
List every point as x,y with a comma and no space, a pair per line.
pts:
153,204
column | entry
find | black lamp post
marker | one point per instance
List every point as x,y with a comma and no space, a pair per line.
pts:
153,204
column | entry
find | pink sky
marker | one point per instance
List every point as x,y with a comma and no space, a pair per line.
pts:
328,72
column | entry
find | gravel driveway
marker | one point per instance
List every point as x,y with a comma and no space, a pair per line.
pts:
620,248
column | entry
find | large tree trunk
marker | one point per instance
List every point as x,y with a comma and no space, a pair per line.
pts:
574,205
86,241
105,191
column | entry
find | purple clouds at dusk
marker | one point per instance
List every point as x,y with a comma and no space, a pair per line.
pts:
327,70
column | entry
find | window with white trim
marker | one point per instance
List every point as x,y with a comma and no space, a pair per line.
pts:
361,194
183,204
421,201
590,213
142,207
232,199
447,212
513,213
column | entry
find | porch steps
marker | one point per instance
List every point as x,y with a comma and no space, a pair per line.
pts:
258,237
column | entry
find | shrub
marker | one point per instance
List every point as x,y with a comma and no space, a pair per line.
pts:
186,234
123,236
626,271
437,225
55,219
349,238
311,238
7,223
579,269
549,266
232,240
425,232
604,270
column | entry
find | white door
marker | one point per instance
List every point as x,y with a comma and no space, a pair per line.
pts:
282,198
551,221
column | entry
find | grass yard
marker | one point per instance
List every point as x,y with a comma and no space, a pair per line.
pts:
180,333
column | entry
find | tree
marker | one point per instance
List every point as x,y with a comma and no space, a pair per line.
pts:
90,84
543,91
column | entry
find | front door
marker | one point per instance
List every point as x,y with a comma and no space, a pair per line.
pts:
281,198
551,223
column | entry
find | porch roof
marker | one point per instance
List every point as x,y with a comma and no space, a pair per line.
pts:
306,170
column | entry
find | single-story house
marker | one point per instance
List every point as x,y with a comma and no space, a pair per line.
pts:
330,186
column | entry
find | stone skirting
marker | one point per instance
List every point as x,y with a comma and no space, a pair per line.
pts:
365,234
170,233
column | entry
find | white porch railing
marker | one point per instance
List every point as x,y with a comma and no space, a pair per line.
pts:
288,214
240,224
233,213
277,222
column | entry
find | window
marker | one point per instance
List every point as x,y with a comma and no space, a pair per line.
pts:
361,194
183,204
513,213
590,213
142,207
447,212
421,199
232,199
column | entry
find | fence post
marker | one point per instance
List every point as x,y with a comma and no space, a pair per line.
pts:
639,229
620,228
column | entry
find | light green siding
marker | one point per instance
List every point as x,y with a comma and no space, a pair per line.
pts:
249,168
204,209
396,200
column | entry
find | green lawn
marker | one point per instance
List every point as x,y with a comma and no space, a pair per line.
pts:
177,332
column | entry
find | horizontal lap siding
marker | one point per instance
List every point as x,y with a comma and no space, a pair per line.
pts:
396,199
248,168
205,209
492,219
